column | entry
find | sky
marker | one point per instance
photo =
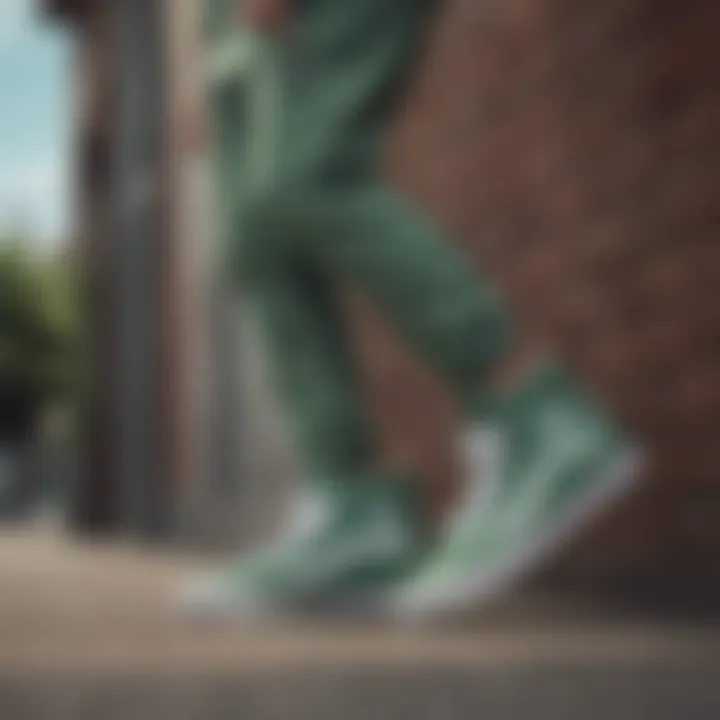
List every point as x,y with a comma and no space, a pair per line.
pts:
35,124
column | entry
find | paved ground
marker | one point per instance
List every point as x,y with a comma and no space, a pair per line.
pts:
91,632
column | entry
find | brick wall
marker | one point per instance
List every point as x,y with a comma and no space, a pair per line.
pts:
574,151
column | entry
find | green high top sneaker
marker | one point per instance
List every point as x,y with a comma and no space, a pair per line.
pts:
542,461
344,550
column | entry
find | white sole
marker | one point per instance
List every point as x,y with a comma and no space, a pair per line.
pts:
610,485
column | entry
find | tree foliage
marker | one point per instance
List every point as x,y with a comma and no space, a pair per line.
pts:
38,334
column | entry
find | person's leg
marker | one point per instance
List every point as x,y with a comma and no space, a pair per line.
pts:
312,367
346,67
295,301
321,217
361,530
346,64
368,236
355,531
542,456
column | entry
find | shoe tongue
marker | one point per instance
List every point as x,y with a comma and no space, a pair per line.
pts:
507,421
311,512
510,405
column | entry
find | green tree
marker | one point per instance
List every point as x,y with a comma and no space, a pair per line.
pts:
38,335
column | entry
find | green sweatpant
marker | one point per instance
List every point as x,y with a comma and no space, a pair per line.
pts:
317,215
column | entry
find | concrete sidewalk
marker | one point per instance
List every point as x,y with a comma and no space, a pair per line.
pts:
91,632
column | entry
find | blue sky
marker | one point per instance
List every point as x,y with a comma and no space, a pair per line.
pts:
35,123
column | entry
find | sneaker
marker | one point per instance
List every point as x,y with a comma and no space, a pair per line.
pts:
543,461
344,550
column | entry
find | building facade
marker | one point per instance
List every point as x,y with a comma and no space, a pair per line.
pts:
573,150
170,390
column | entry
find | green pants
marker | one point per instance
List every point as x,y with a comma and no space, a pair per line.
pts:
318,216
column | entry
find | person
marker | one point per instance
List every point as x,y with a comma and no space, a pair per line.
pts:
541,456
